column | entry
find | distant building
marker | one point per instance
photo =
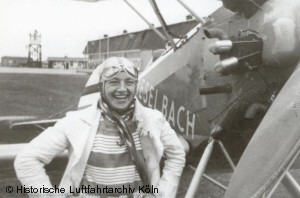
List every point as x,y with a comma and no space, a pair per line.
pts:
66,62
13,61
139,46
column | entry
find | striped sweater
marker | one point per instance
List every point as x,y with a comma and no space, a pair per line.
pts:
110,164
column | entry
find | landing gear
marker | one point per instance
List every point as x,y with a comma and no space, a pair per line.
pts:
199,171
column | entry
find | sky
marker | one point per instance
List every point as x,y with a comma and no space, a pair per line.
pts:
66,25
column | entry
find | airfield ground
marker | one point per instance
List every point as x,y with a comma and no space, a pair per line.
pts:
39,94
48,95
205,190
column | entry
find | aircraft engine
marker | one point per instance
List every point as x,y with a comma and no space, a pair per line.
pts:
258,50
276,23
236,54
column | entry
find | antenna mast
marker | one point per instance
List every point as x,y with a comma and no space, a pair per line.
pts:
34,50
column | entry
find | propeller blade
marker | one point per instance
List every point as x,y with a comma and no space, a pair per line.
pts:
274,144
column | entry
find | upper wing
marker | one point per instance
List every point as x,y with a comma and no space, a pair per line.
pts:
92,1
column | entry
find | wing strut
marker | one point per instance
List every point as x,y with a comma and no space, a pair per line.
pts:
149,24
163,23
144,19
198,18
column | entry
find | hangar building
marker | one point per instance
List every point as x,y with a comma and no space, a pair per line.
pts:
138,46
13,61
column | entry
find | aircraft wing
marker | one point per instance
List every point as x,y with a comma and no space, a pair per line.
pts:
42,124
10,151
274,145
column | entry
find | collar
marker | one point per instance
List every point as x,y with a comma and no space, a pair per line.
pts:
86,113
91,112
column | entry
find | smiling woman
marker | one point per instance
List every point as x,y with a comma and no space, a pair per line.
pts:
118,82
120,91
114,143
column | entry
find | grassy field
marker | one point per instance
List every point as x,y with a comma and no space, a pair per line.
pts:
41,95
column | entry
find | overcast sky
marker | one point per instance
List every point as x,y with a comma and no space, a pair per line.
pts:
66,25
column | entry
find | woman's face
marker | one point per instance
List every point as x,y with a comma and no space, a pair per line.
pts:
120,91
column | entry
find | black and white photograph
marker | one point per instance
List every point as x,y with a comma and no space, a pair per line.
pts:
150,98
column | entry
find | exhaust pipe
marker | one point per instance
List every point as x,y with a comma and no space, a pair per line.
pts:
226,64
216,33
220,47
216,89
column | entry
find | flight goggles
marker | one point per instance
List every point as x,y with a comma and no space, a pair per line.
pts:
112,71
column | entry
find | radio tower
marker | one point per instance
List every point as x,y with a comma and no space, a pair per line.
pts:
34,50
